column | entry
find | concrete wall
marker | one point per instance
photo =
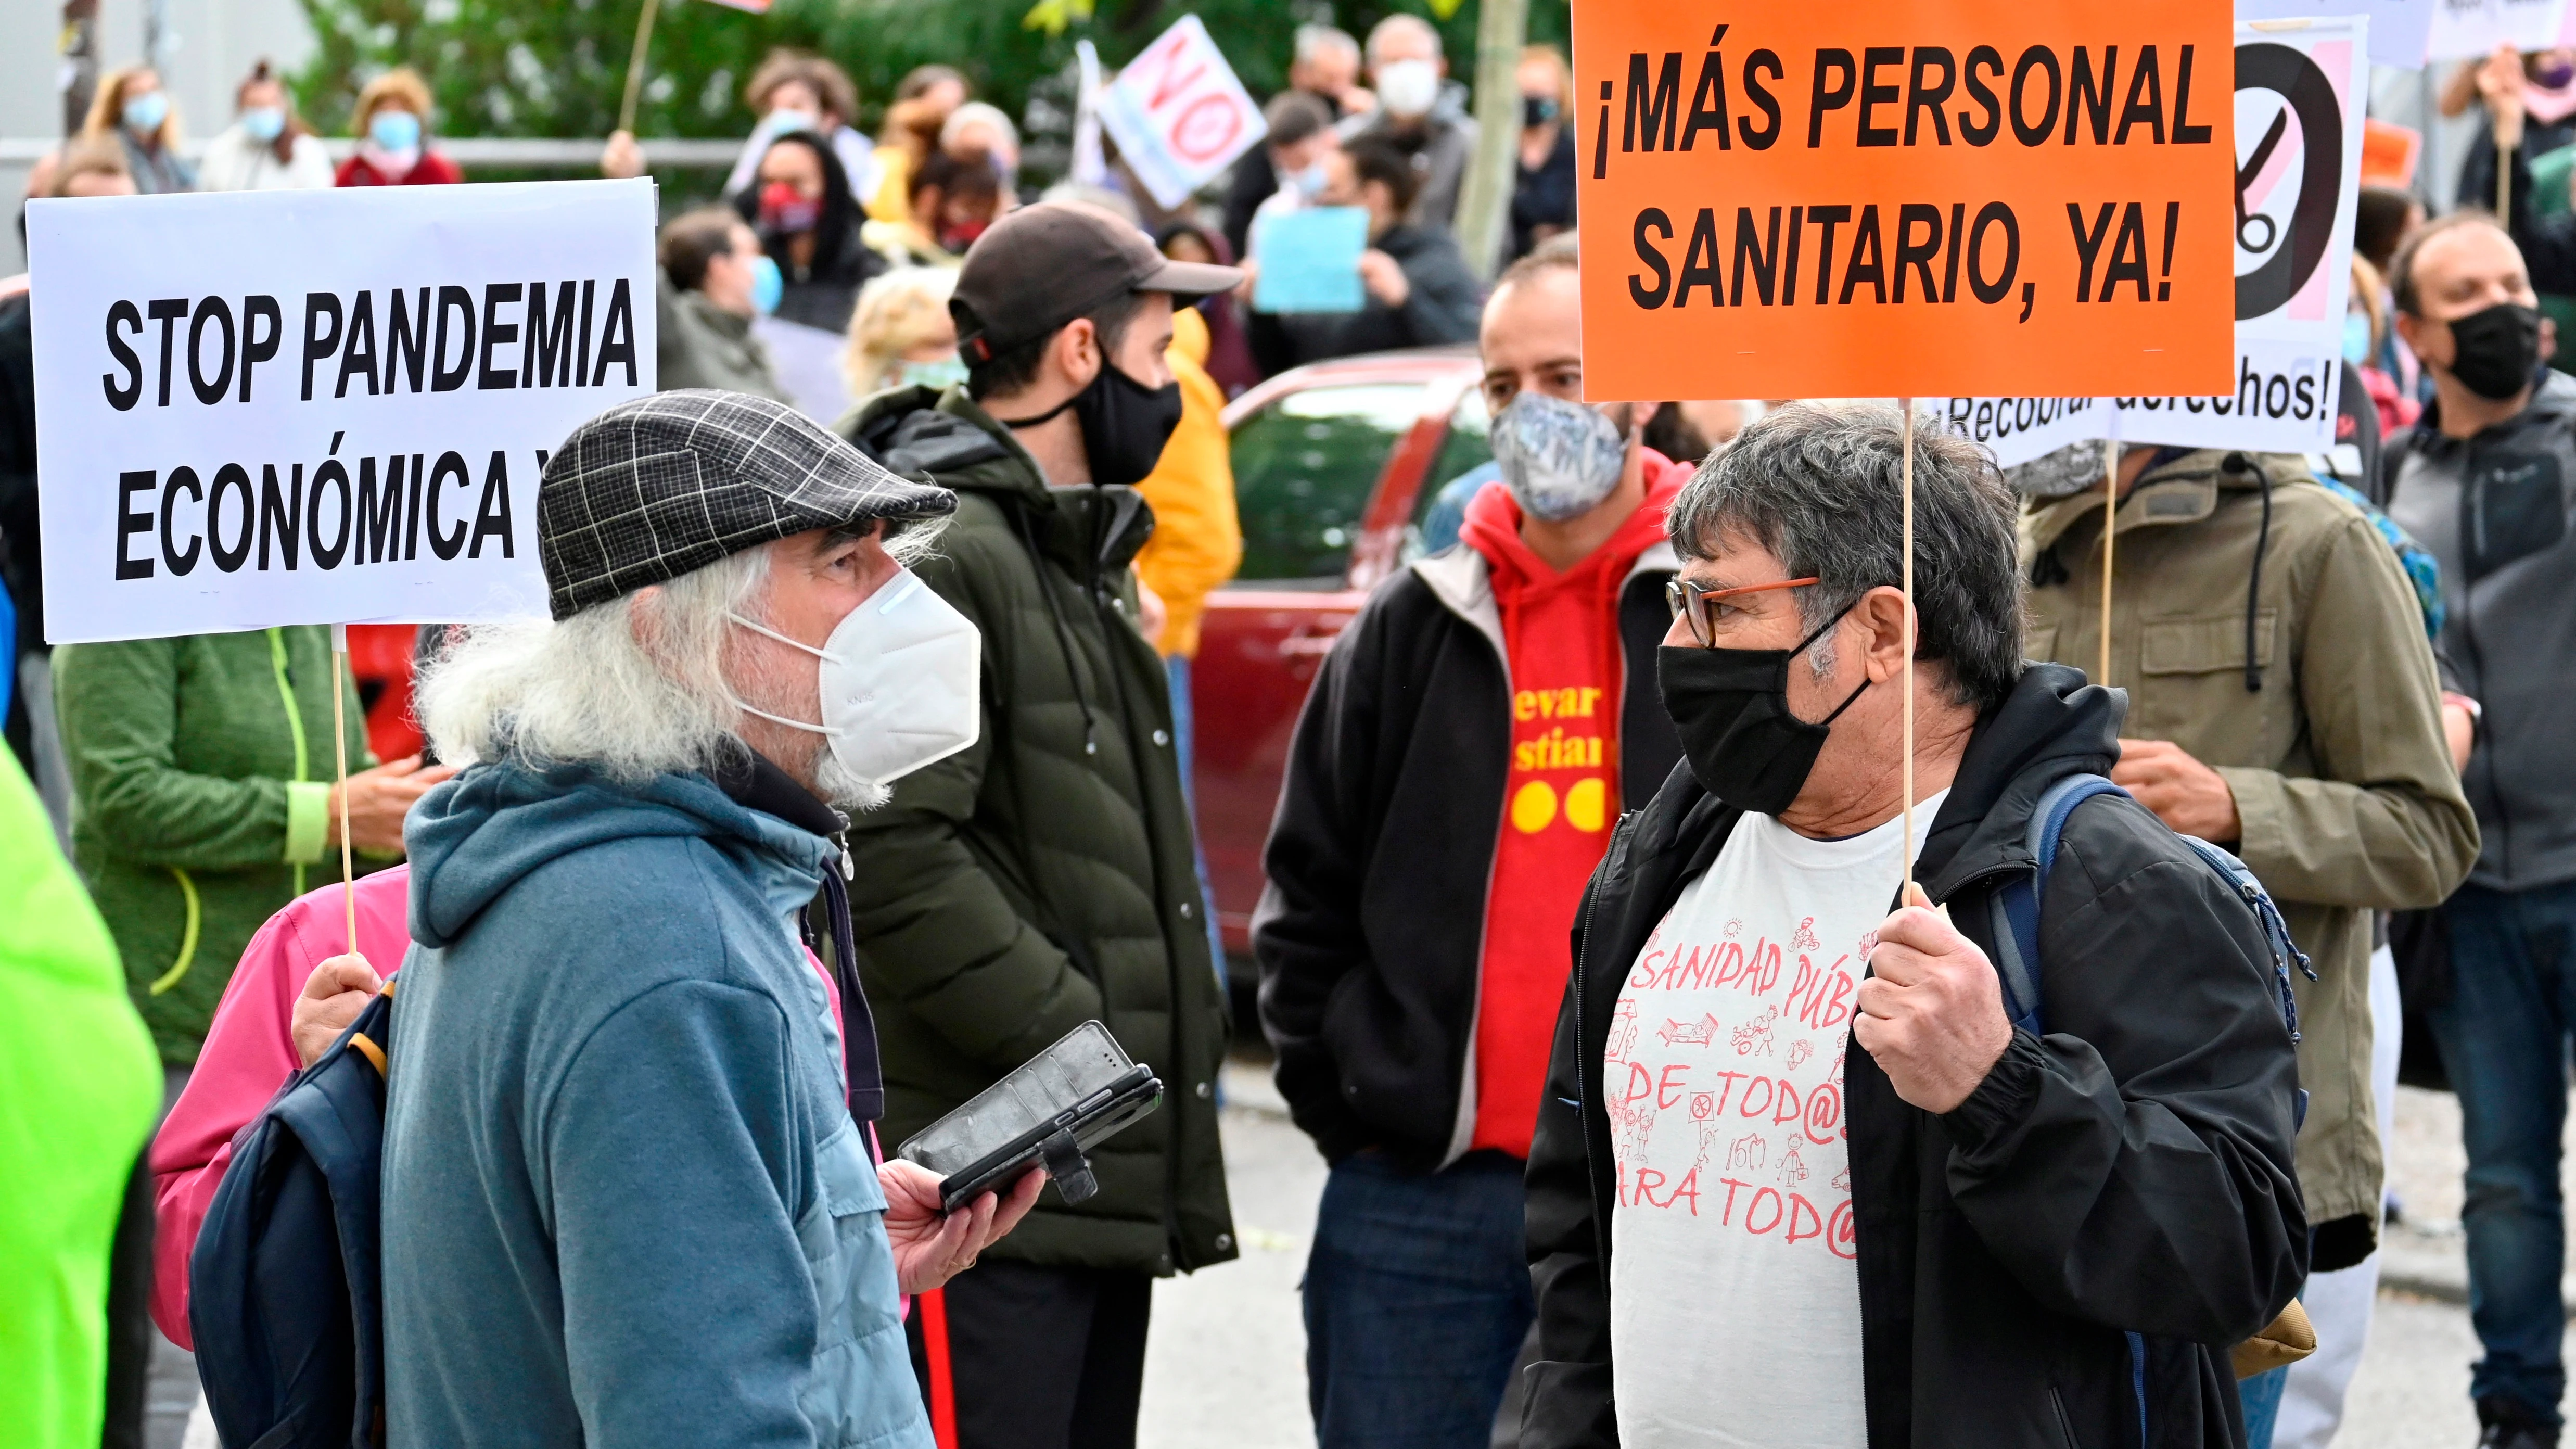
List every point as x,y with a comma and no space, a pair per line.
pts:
217,42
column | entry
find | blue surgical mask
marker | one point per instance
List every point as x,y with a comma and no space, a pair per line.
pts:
264,123
394,130
145,113
1310,182
784,120
943,373
767,286
2356,338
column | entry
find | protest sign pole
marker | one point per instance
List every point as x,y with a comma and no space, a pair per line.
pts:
635,66
1910,891
340,774
2110,517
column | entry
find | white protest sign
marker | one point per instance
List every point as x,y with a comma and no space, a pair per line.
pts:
2301,93
2399,29
303,407
1178,114
2463,29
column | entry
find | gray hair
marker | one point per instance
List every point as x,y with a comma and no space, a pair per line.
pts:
1314,42
588,690
1822,489
1401,21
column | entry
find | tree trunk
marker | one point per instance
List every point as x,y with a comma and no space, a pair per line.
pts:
1484,203
80,61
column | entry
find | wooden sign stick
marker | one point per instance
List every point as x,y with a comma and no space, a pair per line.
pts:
340,773
2110,516
635,67
1911,892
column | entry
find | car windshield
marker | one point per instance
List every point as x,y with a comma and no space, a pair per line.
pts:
1304,469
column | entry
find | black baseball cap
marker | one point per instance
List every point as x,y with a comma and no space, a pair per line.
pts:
1045,265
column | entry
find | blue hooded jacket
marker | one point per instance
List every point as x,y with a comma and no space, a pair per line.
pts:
624,1200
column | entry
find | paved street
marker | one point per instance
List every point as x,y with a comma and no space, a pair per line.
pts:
1226,1362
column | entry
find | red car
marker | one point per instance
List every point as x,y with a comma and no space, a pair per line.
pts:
1335,465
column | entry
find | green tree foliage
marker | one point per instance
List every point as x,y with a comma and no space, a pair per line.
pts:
558,67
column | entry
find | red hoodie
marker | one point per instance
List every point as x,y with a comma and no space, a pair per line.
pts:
1561,795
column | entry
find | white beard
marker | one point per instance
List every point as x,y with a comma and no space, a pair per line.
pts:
843,789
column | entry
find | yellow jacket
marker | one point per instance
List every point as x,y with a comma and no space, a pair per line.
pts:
1197,543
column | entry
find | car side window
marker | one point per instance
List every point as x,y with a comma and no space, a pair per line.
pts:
1304,468
1467,446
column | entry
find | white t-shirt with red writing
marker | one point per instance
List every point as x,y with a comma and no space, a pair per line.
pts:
1734,1303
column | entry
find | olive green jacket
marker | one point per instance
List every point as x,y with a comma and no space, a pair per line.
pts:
1044,876
2342,779
201,776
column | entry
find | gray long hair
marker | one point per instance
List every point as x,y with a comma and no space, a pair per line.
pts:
587,690
1822,489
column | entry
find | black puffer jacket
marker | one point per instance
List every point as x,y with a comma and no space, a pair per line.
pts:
2129,1171
1043,876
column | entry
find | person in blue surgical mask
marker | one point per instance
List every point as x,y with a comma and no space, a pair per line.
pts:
716,282
267,147
132,107
901,334
392,122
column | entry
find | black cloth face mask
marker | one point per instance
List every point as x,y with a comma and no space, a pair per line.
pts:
1124,423
1731,708
2495,351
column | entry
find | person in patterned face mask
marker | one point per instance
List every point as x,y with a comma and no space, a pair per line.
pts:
1472,738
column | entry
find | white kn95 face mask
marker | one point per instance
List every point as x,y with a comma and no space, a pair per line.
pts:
899,681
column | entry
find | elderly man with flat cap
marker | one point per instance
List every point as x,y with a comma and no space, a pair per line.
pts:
1044,877
631,1191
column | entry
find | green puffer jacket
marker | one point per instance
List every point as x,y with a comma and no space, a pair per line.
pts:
199,800
1044,877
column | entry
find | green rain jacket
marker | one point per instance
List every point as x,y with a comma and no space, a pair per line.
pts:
1044,876
78,1086
2332,743
201,777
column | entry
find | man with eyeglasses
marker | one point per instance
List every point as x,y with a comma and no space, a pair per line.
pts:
1799,1179
1466,750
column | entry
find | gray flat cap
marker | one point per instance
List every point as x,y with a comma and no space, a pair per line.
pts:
668,484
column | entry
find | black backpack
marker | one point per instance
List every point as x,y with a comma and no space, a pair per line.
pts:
285,1292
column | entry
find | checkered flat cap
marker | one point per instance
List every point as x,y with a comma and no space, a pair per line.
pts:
668,484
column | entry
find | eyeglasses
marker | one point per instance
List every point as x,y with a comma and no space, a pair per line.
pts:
1689,601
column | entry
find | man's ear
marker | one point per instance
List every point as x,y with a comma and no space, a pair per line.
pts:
2410,329
644,618
1882,612
1076,352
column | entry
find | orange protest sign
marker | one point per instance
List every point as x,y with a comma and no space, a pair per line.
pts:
1906,197
2388,153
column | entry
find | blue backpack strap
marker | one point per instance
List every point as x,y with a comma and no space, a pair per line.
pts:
2276,932
2017,936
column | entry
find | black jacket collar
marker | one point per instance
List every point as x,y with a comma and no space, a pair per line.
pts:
751,781
2052,725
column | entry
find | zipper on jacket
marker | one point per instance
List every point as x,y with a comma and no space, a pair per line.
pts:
2065,1427
1610,857
295,730
187,937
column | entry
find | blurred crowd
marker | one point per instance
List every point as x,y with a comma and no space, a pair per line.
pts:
1572,723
